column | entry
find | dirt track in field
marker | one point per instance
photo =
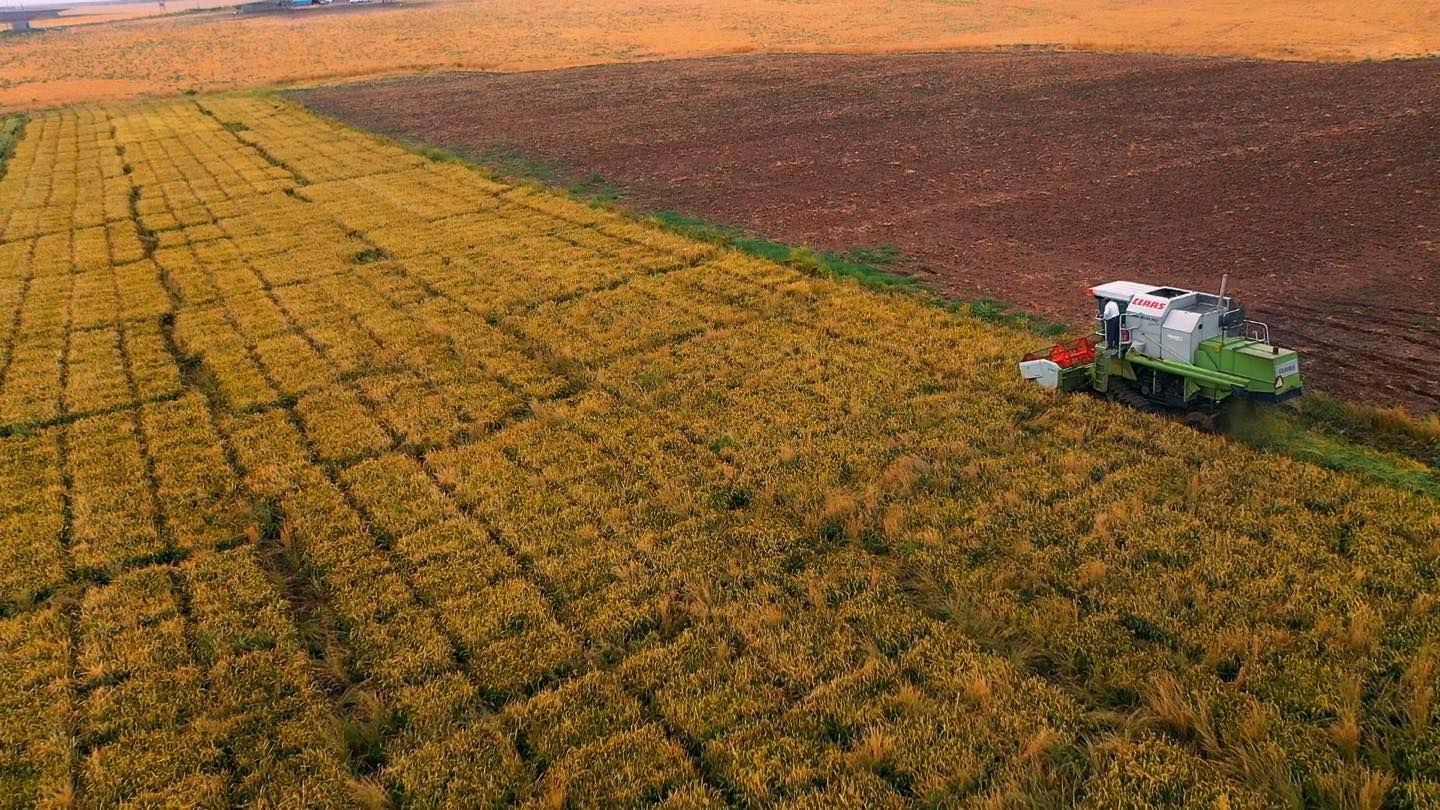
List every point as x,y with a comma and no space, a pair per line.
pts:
1026,177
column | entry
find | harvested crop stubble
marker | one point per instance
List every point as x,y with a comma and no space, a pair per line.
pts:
417,487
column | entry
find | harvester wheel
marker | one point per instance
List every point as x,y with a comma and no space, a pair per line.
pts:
1221,420
1204,422
1129,397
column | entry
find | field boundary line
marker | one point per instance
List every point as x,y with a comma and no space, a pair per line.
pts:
277,561
78,687
15,322
544,587
68,597
300,179
301,601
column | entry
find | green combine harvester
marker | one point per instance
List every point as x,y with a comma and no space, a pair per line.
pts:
1164,348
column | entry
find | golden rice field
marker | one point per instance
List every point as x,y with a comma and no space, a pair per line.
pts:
334,476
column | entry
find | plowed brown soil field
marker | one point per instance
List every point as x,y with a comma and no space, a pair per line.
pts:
1026,177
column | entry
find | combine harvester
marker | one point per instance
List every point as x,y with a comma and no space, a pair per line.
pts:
1164,348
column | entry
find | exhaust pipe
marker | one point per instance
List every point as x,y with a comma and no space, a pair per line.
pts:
1220,305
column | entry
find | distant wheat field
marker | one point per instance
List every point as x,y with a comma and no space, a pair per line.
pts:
337,477
221,50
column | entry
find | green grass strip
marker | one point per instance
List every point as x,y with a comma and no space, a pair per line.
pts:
1295,432
872,267
1390,429
867,265
12,128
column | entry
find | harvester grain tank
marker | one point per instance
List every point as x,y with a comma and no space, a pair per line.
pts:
1172,348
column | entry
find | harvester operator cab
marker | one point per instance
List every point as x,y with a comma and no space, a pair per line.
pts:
1112,300
1133,313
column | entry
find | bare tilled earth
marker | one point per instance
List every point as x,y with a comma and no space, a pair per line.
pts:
1025,177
